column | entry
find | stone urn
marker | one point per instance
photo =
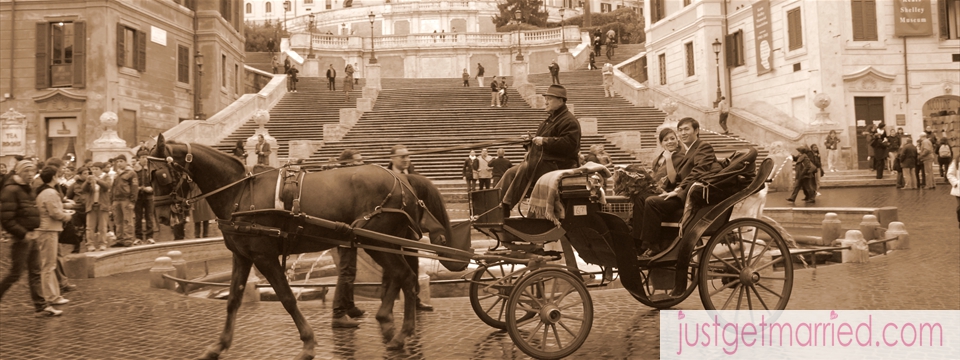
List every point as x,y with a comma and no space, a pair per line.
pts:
669,106
821,101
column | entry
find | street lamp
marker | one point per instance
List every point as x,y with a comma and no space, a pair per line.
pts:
716,51
310,54
373,52
563,40
198,112
519,15
286,7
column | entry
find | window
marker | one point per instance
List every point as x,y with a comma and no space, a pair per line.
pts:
949,19
268,7
60,56
657,11
688,49
225,10
305,2
686,2
131,48
223,70
734,49
864,18
236,79
249,7
183,64
604,8
662,59
643,69
795,28
329,5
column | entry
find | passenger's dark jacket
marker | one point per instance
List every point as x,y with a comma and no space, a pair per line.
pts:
908,156
561,138
18,208
699,161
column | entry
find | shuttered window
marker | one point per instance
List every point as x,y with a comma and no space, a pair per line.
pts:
662,59
734,49
949,21
60,54
131,48
183,64
657,11
795,28
688,50
864,19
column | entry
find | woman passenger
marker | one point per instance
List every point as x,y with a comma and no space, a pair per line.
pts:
664,173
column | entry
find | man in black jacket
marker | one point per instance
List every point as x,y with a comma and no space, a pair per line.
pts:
555,146
331,79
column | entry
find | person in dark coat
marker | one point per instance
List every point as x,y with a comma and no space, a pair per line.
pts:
331,79
879,142
500,166
804,171
470,168
554,72
908,162
263,151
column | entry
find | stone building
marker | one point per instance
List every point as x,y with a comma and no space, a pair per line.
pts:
153,63
779,62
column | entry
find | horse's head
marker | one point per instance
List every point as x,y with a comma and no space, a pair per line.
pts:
435,220
171,182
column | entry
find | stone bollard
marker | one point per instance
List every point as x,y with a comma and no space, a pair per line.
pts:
162,266
176,259
831,228
250,292
858,252
869,226
903,238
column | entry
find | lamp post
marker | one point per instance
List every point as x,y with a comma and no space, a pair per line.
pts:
286,7
563,40
310,53
198,112
373,51
519,15
716,51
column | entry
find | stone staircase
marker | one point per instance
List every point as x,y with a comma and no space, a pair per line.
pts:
260,60
622,53
859,178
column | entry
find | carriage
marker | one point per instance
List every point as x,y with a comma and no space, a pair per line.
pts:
537,294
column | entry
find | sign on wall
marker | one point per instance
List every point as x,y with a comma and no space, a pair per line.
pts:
62,127
912,18
158,35
763,38
14,139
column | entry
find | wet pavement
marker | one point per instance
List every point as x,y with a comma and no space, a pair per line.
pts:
121,317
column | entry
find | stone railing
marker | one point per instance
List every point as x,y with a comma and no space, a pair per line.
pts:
212,130
360,14
301,42
255,79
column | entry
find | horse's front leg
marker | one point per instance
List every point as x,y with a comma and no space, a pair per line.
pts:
270,268
391,290
408,283
238,279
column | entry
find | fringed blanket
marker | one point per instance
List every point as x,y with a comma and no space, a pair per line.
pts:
545,198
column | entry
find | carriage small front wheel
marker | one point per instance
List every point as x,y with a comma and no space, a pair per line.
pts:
563,313
490,290
746,265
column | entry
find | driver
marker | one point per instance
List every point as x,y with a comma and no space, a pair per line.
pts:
559,138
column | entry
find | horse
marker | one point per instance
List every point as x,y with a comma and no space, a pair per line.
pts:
367,196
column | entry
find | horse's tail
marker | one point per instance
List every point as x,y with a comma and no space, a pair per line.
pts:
433,200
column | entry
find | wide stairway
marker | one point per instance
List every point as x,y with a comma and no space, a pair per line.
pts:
620,54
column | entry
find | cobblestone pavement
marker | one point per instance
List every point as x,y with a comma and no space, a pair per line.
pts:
120,317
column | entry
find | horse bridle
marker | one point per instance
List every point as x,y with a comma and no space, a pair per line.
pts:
176,199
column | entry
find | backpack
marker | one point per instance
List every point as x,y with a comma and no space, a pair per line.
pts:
945,151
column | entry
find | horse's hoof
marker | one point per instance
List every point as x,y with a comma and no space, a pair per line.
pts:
210,355
387,334
304,356
395,345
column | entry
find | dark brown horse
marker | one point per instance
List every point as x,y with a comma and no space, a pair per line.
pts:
342,195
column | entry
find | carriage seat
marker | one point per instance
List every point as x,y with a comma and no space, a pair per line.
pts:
533,230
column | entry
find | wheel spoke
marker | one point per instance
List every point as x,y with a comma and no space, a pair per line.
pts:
527,321
555,336
746,289
739,297
769,264
753,242
760,299
762,252
565,316
578,302
554,290
730,298
770,291
495,304
535,299
733,254
560,298
716,274
730,284
534,332
564,326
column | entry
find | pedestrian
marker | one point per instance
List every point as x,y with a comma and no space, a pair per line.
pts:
879,143
944,156
271,45
599,155
400,160
611,46
596,46
928,157
347,82
68,239
275,64
503,92
815,158
908,162
500,165
200,214
804,171
344,308
494,92
356,77
331,78
144,211
479,75
466,78
443,36
724,108
292,79
124,193
554,72
894,148
20,216
96,191
832,144
263,151
52,217
286,64
592,65
607,80
239,151
469,171
484,171
953,176
611,36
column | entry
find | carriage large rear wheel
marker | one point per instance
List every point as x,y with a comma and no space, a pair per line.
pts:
738,270
563,313
489,301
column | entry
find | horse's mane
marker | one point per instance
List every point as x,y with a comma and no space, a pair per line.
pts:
430,196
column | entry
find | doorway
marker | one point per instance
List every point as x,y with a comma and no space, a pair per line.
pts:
61,137
868,111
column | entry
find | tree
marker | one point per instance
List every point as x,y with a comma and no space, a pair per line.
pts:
532,12
257,35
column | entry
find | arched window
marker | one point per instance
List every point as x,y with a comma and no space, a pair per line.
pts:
249,8
269,7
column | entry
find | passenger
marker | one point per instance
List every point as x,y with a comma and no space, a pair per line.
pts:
664,174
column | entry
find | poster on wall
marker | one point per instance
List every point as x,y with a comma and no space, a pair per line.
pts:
14,139
763,38
912,18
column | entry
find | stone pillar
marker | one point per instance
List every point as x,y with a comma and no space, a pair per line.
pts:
566,61
518,70
261,118
365,104
830,229
109,145
311,67
373,77
162,266
899,231
782,167
178,263
869,226
349,117
858,252
588,126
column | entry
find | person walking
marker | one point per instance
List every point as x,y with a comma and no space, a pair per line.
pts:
484,171
347,82
554,72
928,157
879,142
144,211
470,169
818,164
275,64
944,156
832,144
96,191
286,64
724,108
331,78
804,171
596,45
953,176
292,79
494,92
466,78
479,75
124,195
500,165
592,65
607,80
263,151
908,163
400,160
504,98
52,217
895,140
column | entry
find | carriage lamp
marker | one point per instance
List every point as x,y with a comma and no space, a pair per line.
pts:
519,16
198,111
373,51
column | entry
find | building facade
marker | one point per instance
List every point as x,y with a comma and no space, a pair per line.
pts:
153,63
779,62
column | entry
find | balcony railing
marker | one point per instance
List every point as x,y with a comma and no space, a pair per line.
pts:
436,40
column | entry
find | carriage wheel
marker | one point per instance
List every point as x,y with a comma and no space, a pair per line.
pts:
660,298
488,302
738,271
563,309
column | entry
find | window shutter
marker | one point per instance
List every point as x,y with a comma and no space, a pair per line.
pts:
42,64
141,51
79,53
120,44
729,49
943,19
795,29
870,20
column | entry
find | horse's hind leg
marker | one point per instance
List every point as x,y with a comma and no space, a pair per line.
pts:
408,283
391,291
270,268
238,279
